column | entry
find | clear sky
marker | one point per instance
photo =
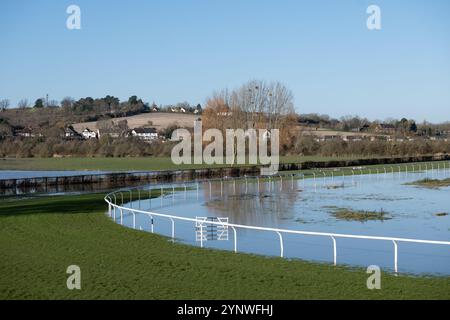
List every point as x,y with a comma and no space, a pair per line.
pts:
171,51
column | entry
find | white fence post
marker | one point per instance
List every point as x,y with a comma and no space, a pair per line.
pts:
334,251
235,239
395,256
173,229
281,244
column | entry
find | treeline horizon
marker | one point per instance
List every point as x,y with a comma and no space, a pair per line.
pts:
112,107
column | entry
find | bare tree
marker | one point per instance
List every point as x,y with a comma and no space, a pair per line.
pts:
23,104
4,104
67,103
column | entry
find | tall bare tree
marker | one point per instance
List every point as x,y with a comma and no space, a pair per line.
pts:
23,104
4,104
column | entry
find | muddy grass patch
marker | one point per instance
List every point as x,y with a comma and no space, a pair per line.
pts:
359,215
431,183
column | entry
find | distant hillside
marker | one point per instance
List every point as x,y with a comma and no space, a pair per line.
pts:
158,120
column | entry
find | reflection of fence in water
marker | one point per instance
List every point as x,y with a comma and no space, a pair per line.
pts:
202,234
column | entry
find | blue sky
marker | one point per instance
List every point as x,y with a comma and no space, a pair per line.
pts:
171,51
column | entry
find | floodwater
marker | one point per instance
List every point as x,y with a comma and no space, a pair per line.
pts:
308,205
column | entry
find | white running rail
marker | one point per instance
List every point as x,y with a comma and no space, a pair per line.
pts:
113,206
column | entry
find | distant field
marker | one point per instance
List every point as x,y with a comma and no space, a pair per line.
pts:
121,164
41,237
159,120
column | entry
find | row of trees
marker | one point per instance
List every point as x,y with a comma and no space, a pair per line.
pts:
307,145
133,147
103,147
354,123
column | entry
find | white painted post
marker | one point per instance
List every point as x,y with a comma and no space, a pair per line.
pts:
201,234
151,223
121,216
334,251
134,219
395,256
173,229
115,204
281,244
235,239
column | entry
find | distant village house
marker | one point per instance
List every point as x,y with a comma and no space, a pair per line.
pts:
146,134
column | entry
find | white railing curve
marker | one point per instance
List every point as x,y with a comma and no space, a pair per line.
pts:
111,201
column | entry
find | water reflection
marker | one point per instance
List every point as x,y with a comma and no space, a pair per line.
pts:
308,205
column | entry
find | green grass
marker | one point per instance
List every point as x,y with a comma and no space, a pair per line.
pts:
120,164
41,237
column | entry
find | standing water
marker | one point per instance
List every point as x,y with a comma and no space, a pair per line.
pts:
385,204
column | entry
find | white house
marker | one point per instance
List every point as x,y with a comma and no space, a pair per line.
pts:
146,134
89,134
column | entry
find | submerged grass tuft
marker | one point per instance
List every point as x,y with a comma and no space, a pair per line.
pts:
431,183
359,215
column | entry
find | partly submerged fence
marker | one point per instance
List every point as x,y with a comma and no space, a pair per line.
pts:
115,209
108,180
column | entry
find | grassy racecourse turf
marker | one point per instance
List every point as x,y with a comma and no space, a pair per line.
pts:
40,237
123,164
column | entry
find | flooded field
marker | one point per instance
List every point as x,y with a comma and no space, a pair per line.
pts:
384,204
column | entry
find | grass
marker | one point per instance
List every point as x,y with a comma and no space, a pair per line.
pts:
121,164
41,237
431,183
359,215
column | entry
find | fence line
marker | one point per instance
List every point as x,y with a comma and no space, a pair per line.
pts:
112,206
